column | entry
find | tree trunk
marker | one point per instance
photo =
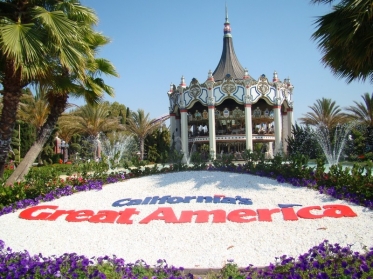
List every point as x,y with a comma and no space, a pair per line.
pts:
11,96
58,106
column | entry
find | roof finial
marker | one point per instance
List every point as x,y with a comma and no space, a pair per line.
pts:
227,26
182,82
275,77
226,13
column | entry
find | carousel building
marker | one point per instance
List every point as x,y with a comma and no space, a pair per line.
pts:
230,111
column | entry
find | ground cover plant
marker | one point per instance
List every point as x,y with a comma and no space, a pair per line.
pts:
323,261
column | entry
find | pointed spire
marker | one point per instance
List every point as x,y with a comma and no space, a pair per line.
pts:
171,88
226,13
182,82
228,63
227,26
210,76
246,74
275,77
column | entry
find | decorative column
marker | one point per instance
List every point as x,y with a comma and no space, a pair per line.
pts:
211,108
172,127
288,92
57,145
248,123
290,120
285,130
172,97
278,128
65,151
183,128
248,112
178,127
184,134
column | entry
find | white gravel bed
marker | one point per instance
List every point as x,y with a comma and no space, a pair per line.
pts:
191,245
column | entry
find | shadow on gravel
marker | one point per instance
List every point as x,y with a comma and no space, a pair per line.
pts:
221,180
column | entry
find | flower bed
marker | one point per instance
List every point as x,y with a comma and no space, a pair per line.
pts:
322,261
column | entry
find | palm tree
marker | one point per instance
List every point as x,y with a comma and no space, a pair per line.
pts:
345,37
324,112
362,112
34,109
63,82
91,89
90,120
35,36
139,124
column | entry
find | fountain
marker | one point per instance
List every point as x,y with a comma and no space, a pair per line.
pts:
332,147
178,146
115,147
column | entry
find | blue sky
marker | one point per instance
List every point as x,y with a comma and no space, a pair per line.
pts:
154,43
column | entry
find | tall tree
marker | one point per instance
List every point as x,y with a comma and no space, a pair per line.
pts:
302,141
345,37
84,81
90,120
157,144
91,89
115,108
141,125
324,112
34,109
362,111
34,37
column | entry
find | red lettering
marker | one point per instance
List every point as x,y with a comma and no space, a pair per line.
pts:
162,213
167,214
125,216
79,216
305,212
27,213
104,216
338,211
266,214
239,214
289,214
58,213
202,216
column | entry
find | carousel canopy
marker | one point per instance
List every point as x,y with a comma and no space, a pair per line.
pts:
228,63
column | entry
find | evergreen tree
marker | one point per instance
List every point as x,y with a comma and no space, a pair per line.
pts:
355,145
157,144
128,114
302,141
28,136
122,118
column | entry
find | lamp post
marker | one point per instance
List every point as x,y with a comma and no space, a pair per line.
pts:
64,151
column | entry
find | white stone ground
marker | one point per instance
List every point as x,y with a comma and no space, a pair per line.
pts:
191,245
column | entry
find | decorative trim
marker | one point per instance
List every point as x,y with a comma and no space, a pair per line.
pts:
232,138
248,105
211,107
183,110
240,93
270,138
276,106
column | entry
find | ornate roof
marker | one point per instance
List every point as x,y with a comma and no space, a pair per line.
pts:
228,63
